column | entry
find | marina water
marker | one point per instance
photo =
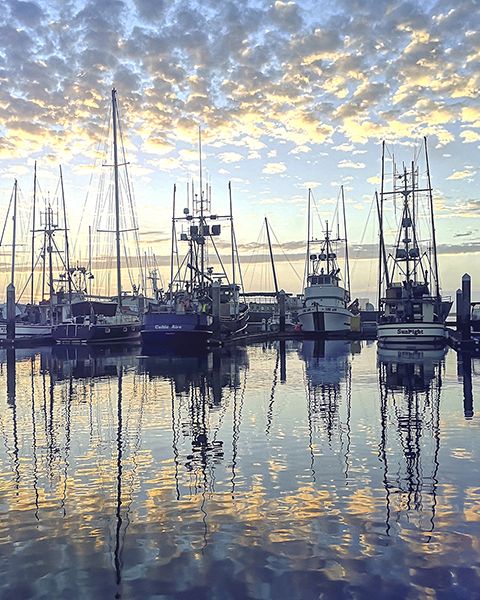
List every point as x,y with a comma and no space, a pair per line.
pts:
287,470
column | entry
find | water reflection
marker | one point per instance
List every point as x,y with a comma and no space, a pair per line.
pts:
410,389
295,468
327,365
465,368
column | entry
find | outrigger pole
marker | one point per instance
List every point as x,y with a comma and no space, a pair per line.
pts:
381,253
173,243
275,282
434,240
347,264
307,259
67,248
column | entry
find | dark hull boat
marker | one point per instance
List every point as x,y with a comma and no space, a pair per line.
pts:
97,323
89,333
182,330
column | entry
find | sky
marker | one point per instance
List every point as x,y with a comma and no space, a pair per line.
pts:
289,96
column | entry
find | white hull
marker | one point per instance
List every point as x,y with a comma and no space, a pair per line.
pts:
317,319
412,333
27,331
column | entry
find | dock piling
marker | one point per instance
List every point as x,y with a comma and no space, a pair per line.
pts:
466,306
11,310
216,309
281,309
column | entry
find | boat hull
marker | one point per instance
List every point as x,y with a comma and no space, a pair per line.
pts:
28,331
177,329
234,325
411,333
73,333
319,320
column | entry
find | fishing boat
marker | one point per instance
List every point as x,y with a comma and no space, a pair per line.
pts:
93,321
326,302
186,315
411,308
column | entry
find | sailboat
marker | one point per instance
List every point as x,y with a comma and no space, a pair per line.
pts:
326,302
100,321
411,309
28,328
185,317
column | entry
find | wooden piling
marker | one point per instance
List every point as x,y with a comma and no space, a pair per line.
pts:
216,310
466,306
281,310
11,310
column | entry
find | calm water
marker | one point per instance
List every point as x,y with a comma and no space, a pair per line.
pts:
311,471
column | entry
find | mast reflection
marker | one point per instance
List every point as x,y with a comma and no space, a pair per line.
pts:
327,366
410,384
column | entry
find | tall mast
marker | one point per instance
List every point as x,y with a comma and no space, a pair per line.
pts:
32,285
327,243
232,233
50,229
89,260
347,264
173,242
405,222
381,249
202,238
67,248
117,196
14,231
271,257
307,261
434,240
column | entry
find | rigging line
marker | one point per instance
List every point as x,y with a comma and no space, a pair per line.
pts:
284,254
239,265
254,253
131,201
219,259
317,213
98,152
6,218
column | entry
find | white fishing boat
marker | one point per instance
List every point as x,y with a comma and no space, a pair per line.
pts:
326,302
411,309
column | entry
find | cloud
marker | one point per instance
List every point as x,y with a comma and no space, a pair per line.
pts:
469,136
274,168
230,157
461,174
348,164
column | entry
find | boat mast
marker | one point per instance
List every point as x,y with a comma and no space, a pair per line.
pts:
347,264
381,249
232,233
117,196
50,231
327,246
32,286
67,248
307,260
201,236
89,260
271,258
14,232
173,243
406,221
435,259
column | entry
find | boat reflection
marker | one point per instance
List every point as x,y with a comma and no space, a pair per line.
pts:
327,367
410,384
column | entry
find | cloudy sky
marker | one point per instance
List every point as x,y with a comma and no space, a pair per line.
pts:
289,95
